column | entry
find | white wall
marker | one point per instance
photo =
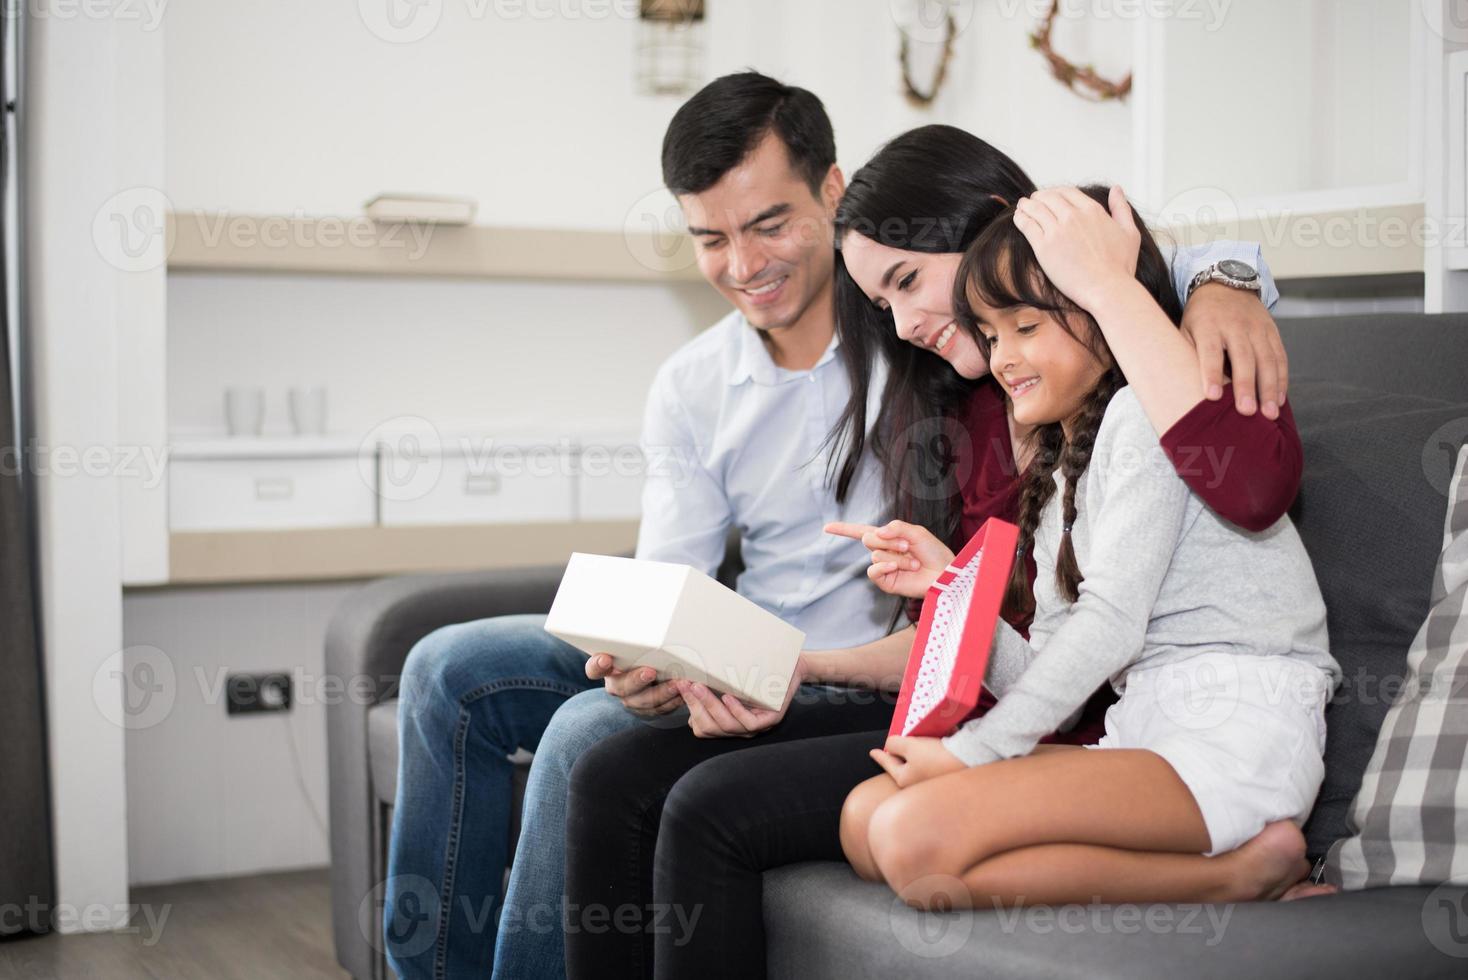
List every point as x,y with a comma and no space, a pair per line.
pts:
557,356
214,794
1275,100
279,106
70,164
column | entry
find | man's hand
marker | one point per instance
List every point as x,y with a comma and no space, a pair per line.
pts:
909,761
714,715
1222,320
635,688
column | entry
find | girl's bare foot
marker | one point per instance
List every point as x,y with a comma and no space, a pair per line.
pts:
1305,889
1265,867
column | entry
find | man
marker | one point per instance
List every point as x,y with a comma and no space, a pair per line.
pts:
733,433
744,409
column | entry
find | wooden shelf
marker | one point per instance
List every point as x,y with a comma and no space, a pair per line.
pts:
219,557
1363,241
205,241
1366,241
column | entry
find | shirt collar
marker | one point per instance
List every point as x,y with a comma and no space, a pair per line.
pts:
752,361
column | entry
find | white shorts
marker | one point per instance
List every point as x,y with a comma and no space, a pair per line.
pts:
1245,733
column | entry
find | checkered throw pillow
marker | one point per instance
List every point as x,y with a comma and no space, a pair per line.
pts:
1410,818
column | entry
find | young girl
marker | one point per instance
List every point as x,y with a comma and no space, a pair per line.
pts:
1213,636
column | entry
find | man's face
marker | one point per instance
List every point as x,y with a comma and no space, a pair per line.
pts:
763,239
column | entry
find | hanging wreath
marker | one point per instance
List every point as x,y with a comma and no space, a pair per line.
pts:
1080,79
914,94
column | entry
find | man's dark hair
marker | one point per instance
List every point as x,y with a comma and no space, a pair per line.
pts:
721,125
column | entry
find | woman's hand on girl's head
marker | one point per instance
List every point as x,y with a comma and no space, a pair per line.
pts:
909,761
906,558
1083,249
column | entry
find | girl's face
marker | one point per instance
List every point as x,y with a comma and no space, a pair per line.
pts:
1046,371
917,287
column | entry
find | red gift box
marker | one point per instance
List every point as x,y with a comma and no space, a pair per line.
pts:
945,670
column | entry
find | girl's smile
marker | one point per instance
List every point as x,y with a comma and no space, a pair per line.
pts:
1045,369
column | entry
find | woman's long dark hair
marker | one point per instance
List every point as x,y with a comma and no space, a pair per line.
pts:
933,189
1000,271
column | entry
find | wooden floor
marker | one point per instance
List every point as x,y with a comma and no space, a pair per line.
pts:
264,927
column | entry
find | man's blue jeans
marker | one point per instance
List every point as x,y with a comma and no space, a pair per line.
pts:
471,694
532,943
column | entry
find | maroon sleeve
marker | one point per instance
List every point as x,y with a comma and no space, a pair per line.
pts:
1245,467
990,488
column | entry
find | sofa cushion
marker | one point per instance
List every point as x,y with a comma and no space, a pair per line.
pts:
382,749
824,923
1370,511
1412,811
1403,353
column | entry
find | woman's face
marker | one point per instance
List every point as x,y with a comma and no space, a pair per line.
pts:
917,287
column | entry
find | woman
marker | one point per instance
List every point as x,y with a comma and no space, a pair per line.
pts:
1179,805
946,445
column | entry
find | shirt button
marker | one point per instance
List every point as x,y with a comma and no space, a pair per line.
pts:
812,379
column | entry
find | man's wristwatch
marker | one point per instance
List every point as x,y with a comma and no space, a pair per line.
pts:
1230,272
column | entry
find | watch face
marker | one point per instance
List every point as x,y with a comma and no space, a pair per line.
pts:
1235,269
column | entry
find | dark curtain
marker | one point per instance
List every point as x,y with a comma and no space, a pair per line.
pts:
27,885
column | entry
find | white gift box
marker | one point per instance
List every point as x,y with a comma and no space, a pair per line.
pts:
678,621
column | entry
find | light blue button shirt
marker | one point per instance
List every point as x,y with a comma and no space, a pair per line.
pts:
732,439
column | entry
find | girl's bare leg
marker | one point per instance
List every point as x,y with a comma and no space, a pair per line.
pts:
1112,825
862,802
856,818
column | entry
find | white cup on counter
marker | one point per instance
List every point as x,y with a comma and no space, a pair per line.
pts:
308,410
244,410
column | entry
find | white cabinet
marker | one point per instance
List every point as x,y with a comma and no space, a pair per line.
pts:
255,484
477,480
416,480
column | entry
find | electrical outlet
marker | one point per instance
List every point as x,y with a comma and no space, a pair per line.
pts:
254,693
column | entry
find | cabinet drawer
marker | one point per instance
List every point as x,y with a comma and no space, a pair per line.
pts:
504,488
256,494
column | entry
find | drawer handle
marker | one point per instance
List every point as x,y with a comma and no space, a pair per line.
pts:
274,488
482,484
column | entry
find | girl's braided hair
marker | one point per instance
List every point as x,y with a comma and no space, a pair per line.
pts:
1000,270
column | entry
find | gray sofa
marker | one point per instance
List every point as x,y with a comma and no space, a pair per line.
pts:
1381,402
